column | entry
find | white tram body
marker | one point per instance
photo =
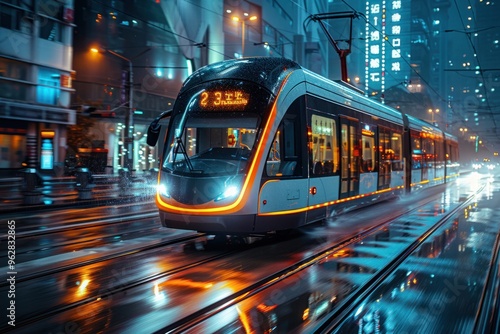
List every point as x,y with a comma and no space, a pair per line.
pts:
261,144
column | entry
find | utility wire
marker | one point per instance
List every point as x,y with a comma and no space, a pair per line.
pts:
468,34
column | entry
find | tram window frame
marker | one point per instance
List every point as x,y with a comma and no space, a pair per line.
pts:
396,144
384,161
427,150
284,159
368,149
324,149
416,149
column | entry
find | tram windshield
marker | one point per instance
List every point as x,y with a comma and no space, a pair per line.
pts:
214,129
208,145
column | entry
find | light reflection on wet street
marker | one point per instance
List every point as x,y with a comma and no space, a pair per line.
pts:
436,290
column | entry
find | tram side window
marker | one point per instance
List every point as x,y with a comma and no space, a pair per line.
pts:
416,149
324,145
428,152
439,153
274,157
451,154
397,148
368,151
290,150
386,156
284,154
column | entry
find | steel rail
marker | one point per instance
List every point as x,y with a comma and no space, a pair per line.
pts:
353,301
205,313
487,320
123,287
82,223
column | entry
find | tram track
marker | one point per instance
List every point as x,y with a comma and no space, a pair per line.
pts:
40,273
33,318
354,300
144,251
191,321
81,223
90,241
202,314
87,236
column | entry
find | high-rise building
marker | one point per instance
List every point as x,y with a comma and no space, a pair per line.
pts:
391,53
126,61
470,38
486,38
160,43
36,49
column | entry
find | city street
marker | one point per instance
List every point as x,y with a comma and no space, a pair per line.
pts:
114,268
245,166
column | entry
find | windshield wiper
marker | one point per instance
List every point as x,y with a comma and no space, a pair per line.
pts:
184,154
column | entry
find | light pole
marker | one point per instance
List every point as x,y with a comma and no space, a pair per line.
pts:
432,112
246,17
128,161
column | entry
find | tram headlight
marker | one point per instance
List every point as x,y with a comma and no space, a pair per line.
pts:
162,190
230,191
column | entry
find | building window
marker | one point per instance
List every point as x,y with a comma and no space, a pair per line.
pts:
48,86
50,7
51,30
15,19
13,69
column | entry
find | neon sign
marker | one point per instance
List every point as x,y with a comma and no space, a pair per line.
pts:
387,24
224,99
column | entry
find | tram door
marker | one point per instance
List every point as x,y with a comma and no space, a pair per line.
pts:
350,153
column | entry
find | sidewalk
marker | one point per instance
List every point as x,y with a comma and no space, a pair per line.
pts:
59,192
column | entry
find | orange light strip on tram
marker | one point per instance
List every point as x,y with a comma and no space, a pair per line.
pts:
250,179
417,183
337,201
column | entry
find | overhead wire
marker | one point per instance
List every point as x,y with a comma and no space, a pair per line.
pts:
481,73
437,93
196,43
148,23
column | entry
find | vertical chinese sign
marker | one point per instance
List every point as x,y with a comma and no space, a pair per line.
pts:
388,39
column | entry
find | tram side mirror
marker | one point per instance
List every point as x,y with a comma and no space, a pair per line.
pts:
155,127
153,133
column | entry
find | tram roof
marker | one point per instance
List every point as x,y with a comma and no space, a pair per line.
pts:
423,126
268,72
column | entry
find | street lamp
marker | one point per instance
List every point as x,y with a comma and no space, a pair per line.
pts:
432,112
246,17
129,121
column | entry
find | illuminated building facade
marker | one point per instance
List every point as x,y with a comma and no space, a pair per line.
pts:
387,40
36,51
146,49
164,47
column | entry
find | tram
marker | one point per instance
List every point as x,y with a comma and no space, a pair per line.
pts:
258,145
